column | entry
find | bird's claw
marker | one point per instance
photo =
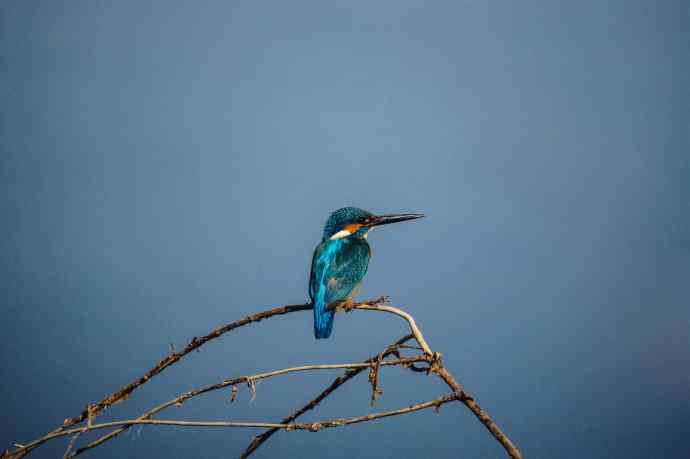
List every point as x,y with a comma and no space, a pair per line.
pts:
348,305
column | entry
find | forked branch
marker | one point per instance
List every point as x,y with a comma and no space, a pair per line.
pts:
432,361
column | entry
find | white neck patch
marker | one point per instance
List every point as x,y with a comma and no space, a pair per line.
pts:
340,234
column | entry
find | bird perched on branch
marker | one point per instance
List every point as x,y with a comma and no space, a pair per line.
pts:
340,261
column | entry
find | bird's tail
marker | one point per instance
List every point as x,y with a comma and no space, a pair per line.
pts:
323,320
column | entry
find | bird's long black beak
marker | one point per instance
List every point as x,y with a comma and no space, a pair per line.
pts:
394,218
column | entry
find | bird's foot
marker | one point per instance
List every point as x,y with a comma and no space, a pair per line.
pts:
347,305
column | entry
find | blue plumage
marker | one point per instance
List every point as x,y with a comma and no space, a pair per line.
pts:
343,217
341,260
337,268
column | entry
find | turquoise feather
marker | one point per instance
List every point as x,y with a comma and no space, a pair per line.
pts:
338,266
341,260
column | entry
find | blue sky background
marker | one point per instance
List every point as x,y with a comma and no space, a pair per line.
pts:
166,167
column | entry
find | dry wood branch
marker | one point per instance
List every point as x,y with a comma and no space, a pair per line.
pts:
178,401
377,306
446,376
433,359
482,415
339,381
174,357
374,380
311,426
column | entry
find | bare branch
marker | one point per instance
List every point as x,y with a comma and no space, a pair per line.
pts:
72,442
339,381
374,380
378,305
174,357
196,343
482,415
312,426
433,359
194,393
445,375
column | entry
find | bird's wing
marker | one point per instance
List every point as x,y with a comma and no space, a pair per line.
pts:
314,273
340,267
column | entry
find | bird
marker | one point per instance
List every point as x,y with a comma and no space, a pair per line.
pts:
341,260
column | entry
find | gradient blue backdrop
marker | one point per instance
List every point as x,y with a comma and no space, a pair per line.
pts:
167,167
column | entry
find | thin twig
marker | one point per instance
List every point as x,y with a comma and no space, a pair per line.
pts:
174,357
374,380
339,381
445,375
482,415
72,442
434,360
228,382
406,346
375,306
311,426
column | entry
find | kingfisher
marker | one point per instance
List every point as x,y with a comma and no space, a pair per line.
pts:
341,260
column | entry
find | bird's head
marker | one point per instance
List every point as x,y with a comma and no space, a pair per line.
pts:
351,221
